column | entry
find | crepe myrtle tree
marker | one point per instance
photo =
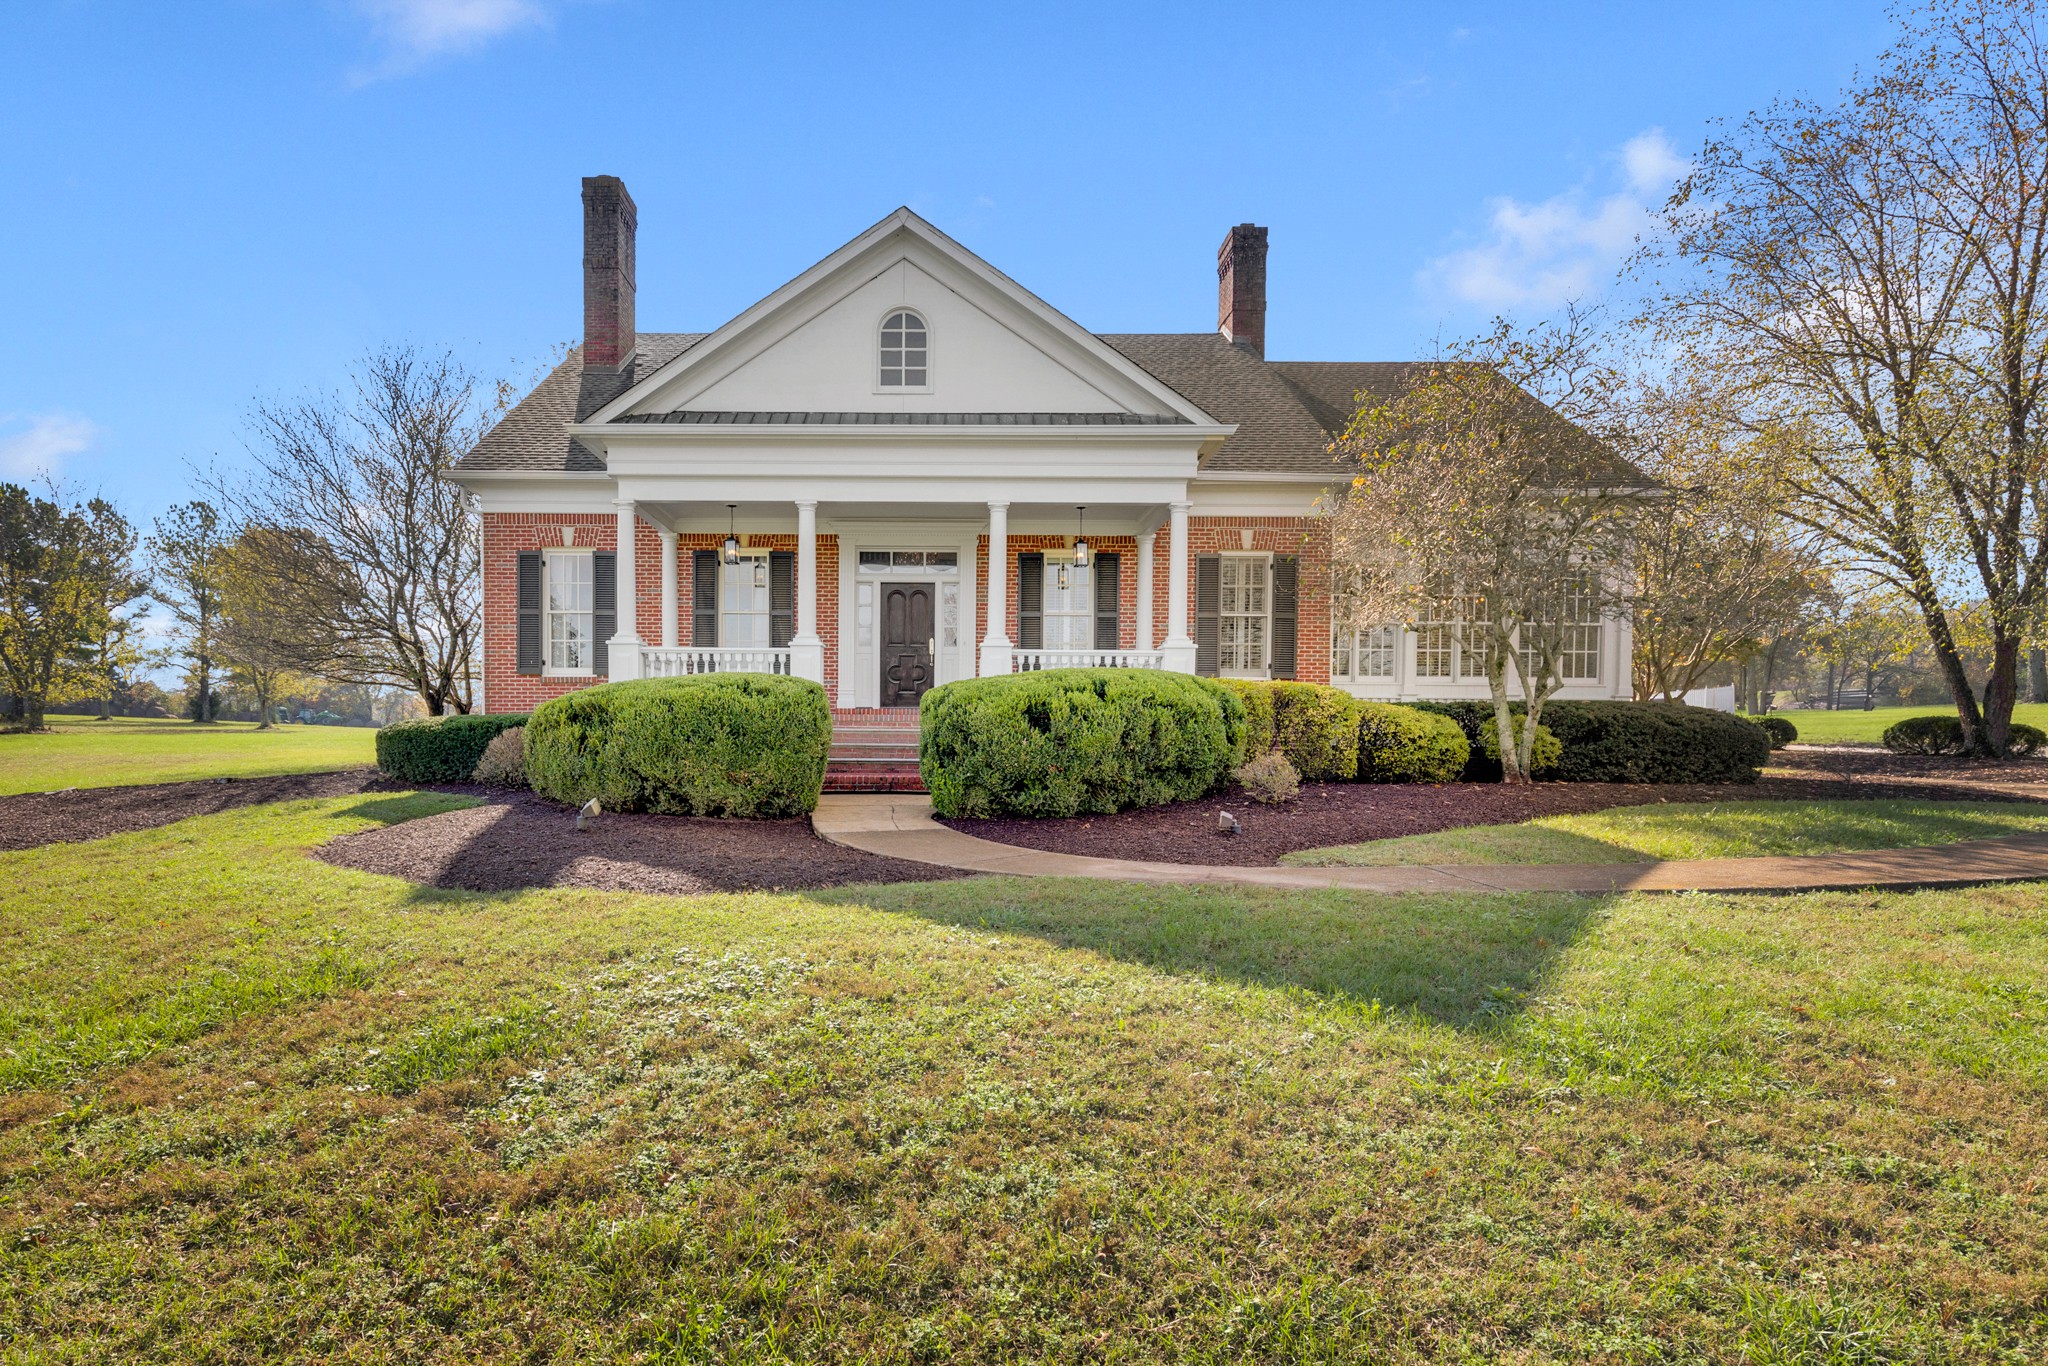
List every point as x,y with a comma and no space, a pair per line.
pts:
1480,490
346,515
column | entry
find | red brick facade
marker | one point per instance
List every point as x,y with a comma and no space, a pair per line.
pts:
506,534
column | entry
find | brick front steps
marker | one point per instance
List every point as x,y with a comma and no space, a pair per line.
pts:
874,749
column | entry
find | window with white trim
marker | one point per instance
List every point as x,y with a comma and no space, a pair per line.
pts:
1243,614
1435,632
1578,657
743,603
1068,605
1364,655
1475,638
905,351
570,592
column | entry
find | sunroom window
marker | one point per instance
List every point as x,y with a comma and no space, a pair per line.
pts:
1368,654
905,351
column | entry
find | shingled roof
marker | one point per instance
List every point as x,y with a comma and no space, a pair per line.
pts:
1287,412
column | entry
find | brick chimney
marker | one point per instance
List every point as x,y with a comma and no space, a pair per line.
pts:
609,220
1241,288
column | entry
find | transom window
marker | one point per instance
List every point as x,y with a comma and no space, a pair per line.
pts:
1242,615
1069,605
571,612
1364,654
904,351
743,603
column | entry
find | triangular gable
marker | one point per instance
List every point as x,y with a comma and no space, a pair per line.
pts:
809,346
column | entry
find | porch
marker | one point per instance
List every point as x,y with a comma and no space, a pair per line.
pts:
878,603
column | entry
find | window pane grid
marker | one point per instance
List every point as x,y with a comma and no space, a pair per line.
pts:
571,620
1068,606
1241,616
743,604
1364,654
904,358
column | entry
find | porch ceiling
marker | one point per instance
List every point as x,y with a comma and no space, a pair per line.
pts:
765,515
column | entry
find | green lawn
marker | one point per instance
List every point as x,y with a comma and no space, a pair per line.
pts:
1641,834
1868,727
82,753
256,1108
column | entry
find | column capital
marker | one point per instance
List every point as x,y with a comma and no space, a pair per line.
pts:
1181,505
807,504
995,503
626,504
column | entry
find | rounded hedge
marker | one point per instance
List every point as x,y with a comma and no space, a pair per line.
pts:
738,744
1316,727
1475,721
1778,730
1066,741
1944,735
1257,696
1544,754
1655,742
1399,744
439,749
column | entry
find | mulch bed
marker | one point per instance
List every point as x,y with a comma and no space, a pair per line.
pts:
90,813
519,840
1351,813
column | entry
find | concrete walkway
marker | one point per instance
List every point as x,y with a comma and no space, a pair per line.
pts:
902,827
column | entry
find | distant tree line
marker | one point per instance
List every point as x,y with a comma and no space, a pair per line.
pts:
339,559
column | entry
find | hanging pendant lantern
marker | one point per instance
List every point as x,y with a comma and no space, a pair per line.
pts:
1081,540
732,540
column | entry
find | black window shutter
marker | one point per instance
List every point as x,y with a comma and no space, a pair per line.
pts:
1208,601
1108,594
1285,632
1031,601
530,657
781,597
604,603
704,599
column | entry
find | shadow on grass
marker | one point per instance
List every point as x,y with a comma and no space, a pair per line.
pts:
1462,961
1474,844
410,806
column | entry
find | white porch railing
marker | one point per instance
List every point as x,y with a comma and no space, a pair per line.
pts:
1030,661
672,661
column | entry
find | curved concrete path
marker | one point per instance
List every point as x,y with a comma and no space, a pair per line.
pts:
902,827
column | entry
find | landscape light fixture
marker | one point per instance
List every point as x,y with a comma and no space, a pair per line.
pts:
1081,540
732,540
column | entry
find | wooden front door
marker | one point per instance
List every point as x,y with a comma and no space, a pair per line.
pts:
906,643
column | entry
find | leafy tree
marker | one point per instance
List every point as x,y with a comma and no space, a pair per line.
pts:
188,552
378,553
260,632
1870,278
64,571
1480,484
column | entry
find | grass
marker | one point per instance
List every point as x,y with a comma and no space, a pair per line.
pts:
1682,830
1868,727
1002,1120
85,753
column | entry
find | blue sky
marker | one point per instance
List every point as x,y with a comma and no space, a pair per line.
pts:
210,203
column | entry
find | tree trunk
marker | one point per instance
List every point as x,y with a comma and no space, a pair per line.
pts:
2037,674
1870,687
2001,691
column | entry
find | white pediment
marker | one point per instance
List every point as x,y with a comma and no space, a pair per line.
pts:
812,346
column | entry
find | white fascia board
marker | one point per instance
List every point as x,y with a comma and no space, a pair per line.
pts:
899,492
707,351
539,491
1265,498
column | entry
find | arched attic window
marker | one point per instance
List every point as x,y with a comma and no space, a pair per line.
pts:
905,351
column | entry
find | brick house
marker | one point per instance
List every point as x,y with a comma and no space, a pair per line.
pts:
820,487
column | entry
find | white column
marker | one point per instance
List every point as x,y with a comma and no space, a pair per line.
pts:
1179,646
995,645
806,649
624,647
1145,639
668,588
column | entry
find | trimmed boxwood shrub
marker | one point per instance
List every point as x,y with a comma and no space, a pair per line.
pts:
1778,730
736,744
1399,744
1475,722
1257,696
1629,742
1655,742
439,749
1066,741
1316,727
1944,735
